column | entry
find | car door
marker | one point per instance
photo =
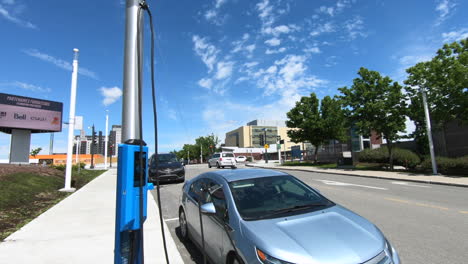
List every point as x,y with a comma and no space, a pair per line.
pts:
213,225
195,195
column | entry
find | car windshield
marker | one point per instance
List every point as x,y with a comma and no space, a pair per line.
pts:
270,197
228,155
167,158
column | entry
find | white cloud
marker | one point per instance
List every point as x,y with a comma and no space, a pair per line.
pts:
27,86
455,35
224,70
280,50
60,63
111,94
315,50
8,16
251,64
273,42
211,15
444,8
335,9
355,28
324,28
206,83
239,46
207,52
411,60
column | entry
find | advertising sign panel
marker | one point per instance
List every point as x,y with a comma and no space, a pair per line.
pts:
36,115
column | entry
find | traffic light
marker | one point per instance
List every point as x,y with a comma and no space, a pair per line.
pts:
262,140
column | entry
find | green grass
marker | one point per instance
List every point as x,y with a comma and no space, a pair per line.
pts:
24,196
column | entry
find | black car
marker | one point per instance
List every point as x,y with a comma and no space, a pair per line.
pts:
170,169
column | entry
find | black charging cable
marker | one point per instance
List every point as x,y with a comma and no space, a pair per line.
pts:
144,6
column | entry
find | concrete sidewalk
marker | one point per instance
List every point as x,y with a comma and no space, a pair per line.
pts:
80,229
389,175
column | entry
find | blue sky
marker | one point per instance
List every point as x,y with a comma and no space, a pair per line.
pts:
219,63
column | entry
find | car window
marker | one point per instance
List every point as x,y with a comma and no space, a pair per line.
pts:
216,156
196,191
167,158
218,199
270,197
228,155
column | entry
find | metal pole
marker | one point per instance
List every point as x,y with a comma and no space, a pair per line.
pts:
51,144
106,139
266,150
130,120
71,124
201,153
429,132
92,148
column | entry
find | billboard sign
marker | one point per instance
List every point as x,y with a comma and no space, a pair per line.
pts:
36,115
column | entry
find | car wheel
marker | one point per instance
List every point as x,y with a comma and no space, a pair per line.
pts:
183,226
236,260
209,165
217,165
233,167
222,167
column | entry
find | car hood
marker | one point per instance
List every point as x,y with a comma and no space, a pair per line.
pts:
335,235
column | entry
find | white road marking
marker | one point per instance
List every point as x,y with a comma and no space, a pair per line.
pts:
350,184
171,219
409,184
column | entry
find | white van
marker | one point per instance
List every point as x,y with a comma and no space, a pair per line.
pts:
222,159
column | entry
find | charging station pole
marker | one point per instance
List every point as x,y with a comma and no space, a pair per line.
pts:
130,211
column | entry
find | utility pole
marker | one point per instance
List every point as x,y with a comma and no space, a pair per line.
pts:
201,153
188,156
51,144
106,139
278,148
71,124
93,138
266,149
429,132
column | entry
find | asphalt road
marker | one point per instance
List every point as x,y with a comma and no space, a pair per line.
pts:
425,223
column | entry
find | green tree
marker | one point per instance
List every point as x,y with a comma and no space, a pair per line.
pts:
316,123
35,151
376,103
207,145
444,79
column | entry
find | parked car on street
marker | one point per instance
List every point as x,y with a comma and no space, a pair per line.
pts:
266,216
222,159
169,168
241,158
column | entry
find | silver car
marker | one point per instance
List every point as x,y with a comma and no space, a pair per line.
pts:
270,217
221,160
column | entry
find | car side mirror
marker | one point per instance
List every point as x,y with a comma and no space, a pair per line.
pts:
208,209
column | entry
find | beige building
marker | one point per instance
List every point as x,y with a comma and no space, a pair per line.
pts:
249,136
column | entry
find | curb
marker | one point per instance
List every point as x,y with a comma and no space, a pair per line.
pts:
366,176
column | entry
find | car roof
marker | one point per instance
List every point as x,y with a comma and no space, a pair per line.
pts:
243,174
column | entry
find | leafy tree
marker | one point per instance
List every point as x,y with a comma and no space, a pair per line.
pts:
207,144
35,151
445,80
316,123
375,103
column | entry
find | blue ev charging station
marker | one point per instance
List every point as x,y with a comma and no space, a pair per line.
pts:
128,225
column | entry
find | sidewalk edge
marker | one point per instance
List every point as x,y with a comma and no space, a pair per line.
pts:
364,176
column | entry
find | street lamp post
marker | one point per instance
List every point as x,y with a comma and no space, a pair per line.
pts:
266,150
106,139
429,132
71,124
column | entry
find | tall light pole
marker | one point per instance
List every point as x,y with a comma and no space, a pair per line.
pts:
106,139
71,124
429,132
201,153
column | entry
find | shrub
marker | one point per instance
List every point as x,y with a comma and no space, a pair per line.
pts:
249,159
401,157
456,166
60,167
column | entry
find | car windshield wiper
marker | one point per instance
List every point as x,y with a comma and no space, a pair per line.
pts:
296,208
